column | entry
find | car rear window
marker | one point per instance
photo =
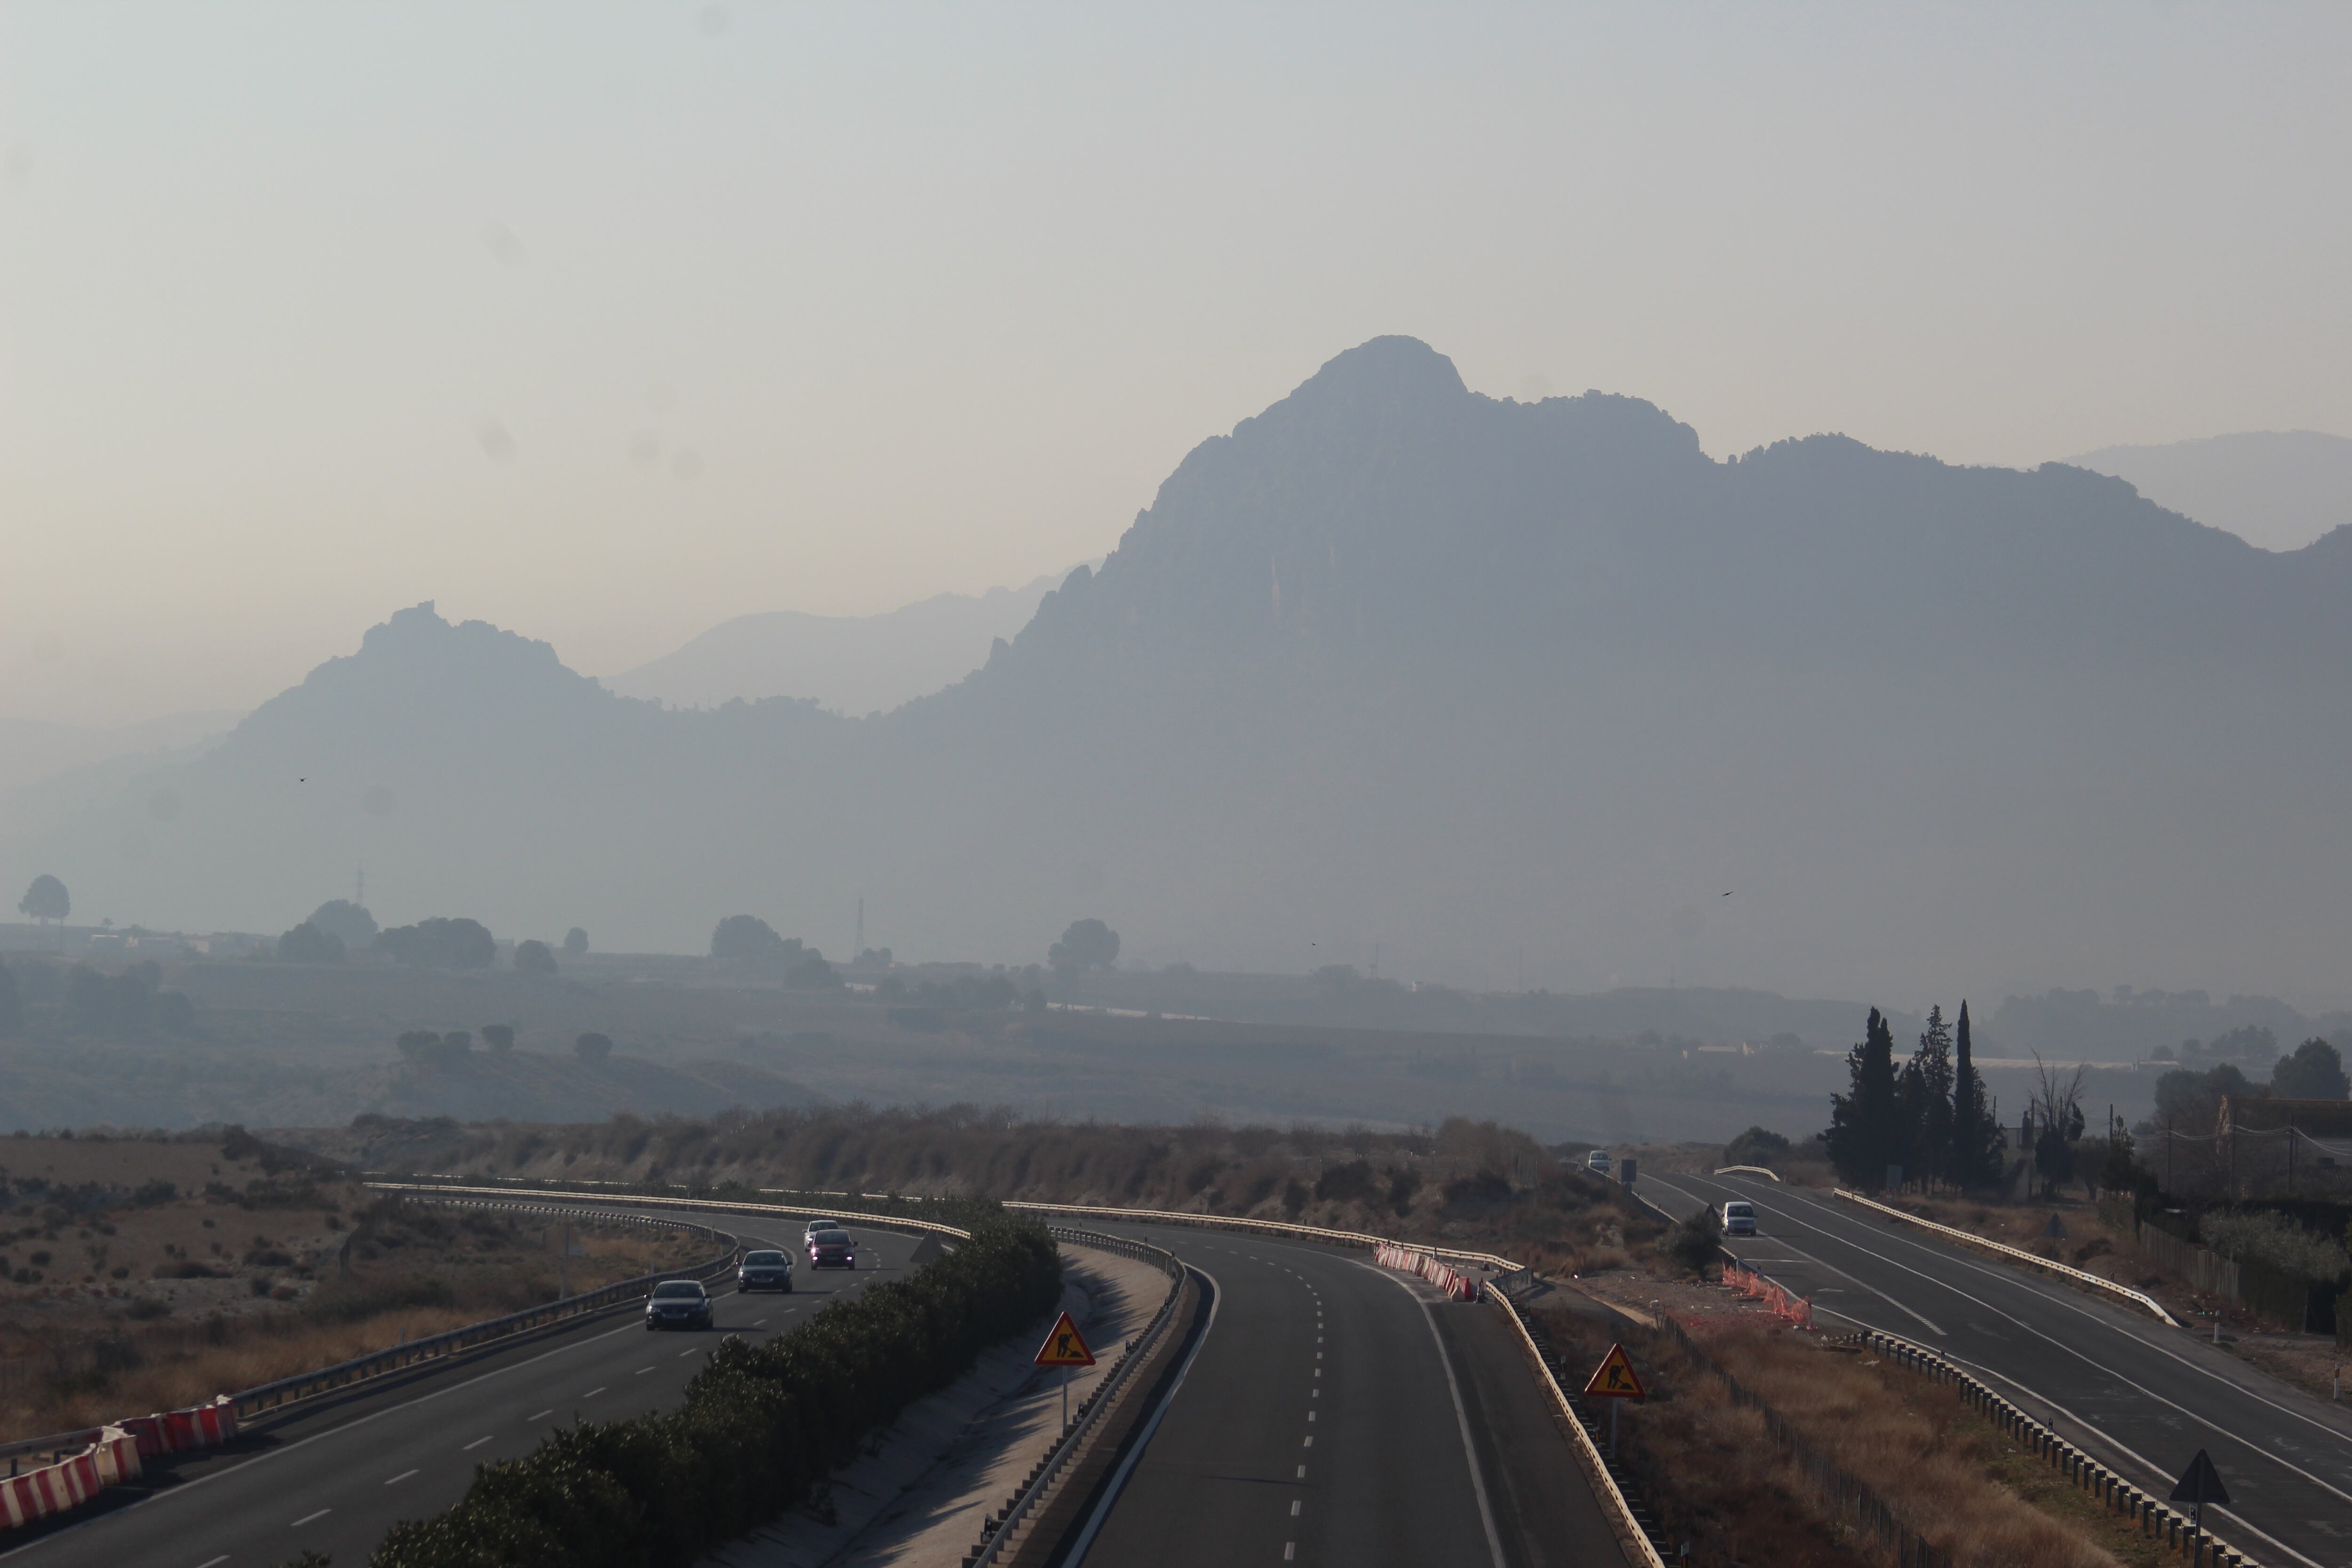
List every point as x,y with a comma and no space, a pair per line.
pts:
673,1287
753,1259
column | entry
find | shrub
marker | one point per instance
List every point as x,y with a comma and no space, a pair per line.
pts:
1756,1146
761,1424
1696,1242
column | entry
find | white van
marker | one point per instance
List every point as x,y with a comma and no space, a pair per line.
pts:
1739,1217
1597,1161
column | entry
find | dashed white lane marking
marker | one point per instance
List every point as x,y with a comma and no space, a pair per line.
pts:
1302,1476
398,1479
1289,1550
214,1561
1310,1440
474,1445
1294,1507
542,1415
760,1322
682,1355
309,1518
641,1371
1311,1415
592,1394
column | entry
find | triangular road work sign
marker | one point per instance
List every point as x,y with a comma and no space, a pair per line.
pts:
1065,1346
2199,1483
1615,1379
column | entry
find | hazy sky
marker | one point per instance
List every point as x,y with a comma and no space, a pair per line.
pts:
606,323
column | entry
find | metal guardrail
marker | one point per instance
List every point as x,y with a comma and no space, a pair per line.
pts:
707,1205
999,1533
1612,1496
1746,1171
2080,1275
56,1445
1271,1227
2170,1528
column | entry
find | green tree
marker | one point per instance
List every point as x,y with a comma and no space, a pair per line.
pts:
441,943
306,943
1977,1156
46,899
346,921
1756,1146
746,941
2313,1073
1086,944
2058,1118
575,943
593,1049
1924,1102
533,958
1860,1134
498,1037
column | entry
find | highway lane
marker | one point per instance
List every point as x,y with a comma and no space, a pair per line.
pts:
334,1479
1336,1413
2141,1397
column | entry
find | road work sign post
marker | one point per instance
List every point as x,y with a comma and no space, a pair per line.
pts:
1065,1347
1614,1380
2200,1484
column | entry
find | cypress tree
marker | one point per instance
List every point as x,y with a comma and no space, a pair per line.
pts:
1975,1158
1925,1096
1863,1138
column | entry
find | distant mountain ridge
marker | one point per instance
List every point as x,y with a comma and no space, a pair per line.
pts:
1392,661
2279,490
850,664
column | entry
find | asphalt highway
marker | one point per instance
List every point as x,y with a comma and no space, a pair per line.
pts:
1340,1413
333,1479
2141,1397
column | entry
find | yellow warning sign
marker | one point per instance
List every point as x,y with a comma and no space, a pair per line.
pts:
1065,1346
1615,1379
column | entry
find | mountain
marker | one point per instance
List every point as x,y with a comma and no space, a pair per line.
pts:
850,664
1486,683
32,751
2280,489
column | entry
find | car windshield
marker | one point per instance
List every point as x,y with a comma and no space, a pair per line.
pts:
1739,1211
830,1238
754,1259
675,1288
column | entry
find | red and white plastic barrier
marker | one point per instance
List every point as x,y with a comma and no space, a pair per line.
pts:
1795,1310
1406,1260
178,1431
71,1481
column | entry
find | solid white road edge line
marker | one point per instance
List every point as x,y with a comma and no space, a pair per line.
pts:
1144,1439
1461,1414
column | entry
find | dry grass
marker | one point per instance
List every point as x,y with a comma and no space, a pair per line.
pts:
81,1358
1717,1479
